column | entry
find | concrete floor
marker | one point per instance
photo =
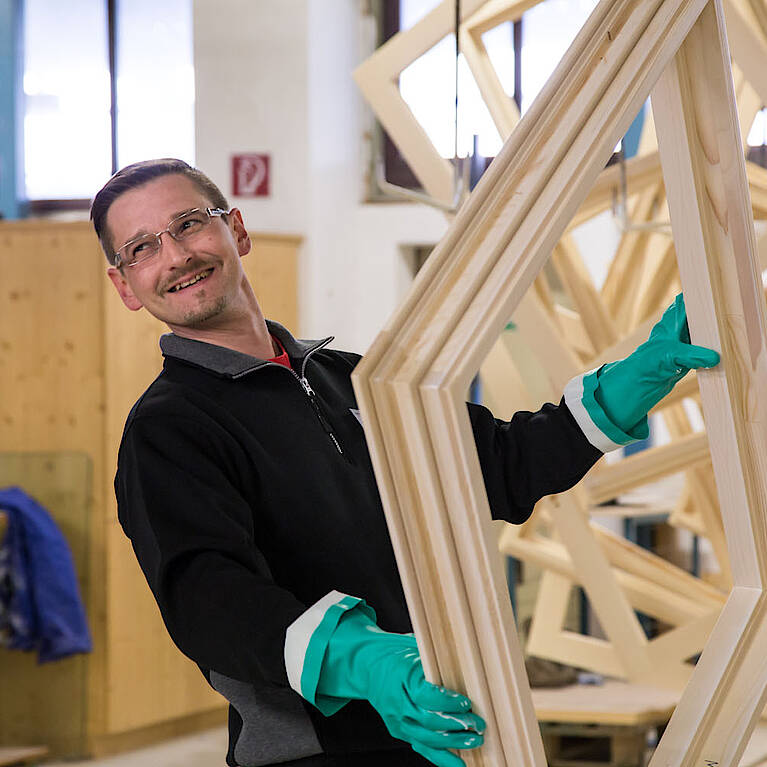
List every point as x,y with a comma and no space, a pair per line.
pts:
205,749
208,749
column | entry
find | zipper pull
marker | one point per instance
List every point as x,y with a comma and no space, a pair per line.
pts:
318,410
307,386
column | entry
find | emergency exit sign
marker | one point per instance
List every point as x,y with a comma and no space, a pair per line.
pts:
250,175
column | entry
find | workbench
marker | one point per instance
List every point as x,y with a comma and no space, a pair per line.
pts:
609,725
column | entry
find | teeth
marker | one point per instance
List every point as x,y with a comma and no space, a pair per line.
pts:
200,276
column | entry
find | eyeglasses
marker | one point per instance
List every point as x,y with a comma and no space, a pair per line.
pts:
182,228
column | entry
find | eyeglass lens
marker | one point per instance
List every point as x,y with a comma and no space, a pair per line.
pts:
180,228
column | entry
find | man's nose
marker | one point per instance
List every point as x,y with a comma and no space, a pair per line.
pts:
173,250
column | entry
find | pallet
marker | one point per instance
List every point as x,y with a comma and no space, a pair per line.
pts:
607,725
596,745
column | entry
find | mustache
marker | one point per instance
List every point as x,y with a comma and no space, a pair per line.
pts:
192,269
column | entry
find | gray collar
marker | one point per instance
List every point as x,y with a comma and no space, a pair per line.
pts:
233,364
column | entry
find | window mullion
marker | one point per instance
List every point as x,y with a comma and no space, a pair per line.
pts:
111,10
11,108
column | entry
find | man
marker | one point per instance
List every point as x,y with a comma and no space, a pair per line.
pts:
246,489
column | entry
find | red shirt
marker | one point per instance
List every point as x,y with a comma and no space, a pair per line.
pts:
281,359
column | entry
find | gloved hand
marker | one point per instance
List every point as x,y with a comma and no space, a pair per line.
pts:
362,661
630,388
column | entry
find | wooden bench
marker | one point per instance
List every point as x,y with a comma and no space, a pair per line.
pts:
12,756
605,725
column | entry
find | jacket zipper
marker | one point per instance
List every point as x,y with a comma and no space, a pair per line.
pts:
318,410
310,393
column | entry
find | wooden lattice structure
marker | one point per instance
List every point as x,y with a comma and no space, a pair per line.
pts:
607,324
412,383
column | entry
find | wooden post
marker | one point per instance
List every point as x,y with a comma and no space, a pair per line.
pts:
707,189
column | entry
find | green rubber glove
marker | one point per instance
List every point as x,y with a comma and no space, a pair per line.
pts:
362,661
630,388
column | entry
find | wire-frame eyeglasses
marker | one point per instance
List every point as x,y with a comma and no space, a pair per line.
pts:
183,227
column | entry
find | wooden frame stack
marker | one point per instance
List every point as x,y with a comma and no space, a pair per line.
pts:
411,386
599,321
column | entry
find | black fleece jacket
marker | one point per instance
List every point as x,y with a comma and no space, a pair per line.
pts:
247,499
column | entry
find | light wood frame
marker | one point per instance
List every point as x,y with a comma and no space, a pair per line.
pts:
502,109
377,78
412,383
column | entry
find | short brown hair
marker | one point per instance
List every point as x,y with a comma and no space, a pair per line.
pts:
137,174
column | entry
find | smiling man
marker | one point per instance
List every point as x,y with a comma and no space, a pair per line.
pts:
245,486
198,288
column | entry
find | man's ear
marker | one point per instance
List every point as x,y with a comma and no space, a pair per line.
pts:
122,287
241,235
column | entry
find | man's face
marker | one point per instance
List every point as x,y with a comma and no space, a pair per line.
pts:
214,253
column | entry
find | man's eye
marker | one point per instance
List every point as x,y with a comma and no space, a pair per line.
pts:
189,225
139,248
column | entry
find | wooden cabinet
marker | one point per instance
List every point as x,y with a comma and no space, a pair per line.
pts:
73,360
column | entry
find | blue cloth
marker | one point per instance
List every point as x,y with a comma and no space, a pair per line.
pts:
40,605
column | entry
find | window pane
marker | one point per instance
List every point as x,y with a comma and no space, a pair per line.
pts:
757,135
67,144
411,11
428,88
547,31
155,80
499,44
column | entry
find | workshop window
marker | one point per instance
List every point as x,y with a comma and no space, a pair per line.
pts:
105,83
524,56
428,88
548,29
155,81
67,152
428,85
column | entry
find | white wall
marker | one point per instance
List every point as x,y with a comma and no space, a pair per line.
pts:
355,272
275,76
250,96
